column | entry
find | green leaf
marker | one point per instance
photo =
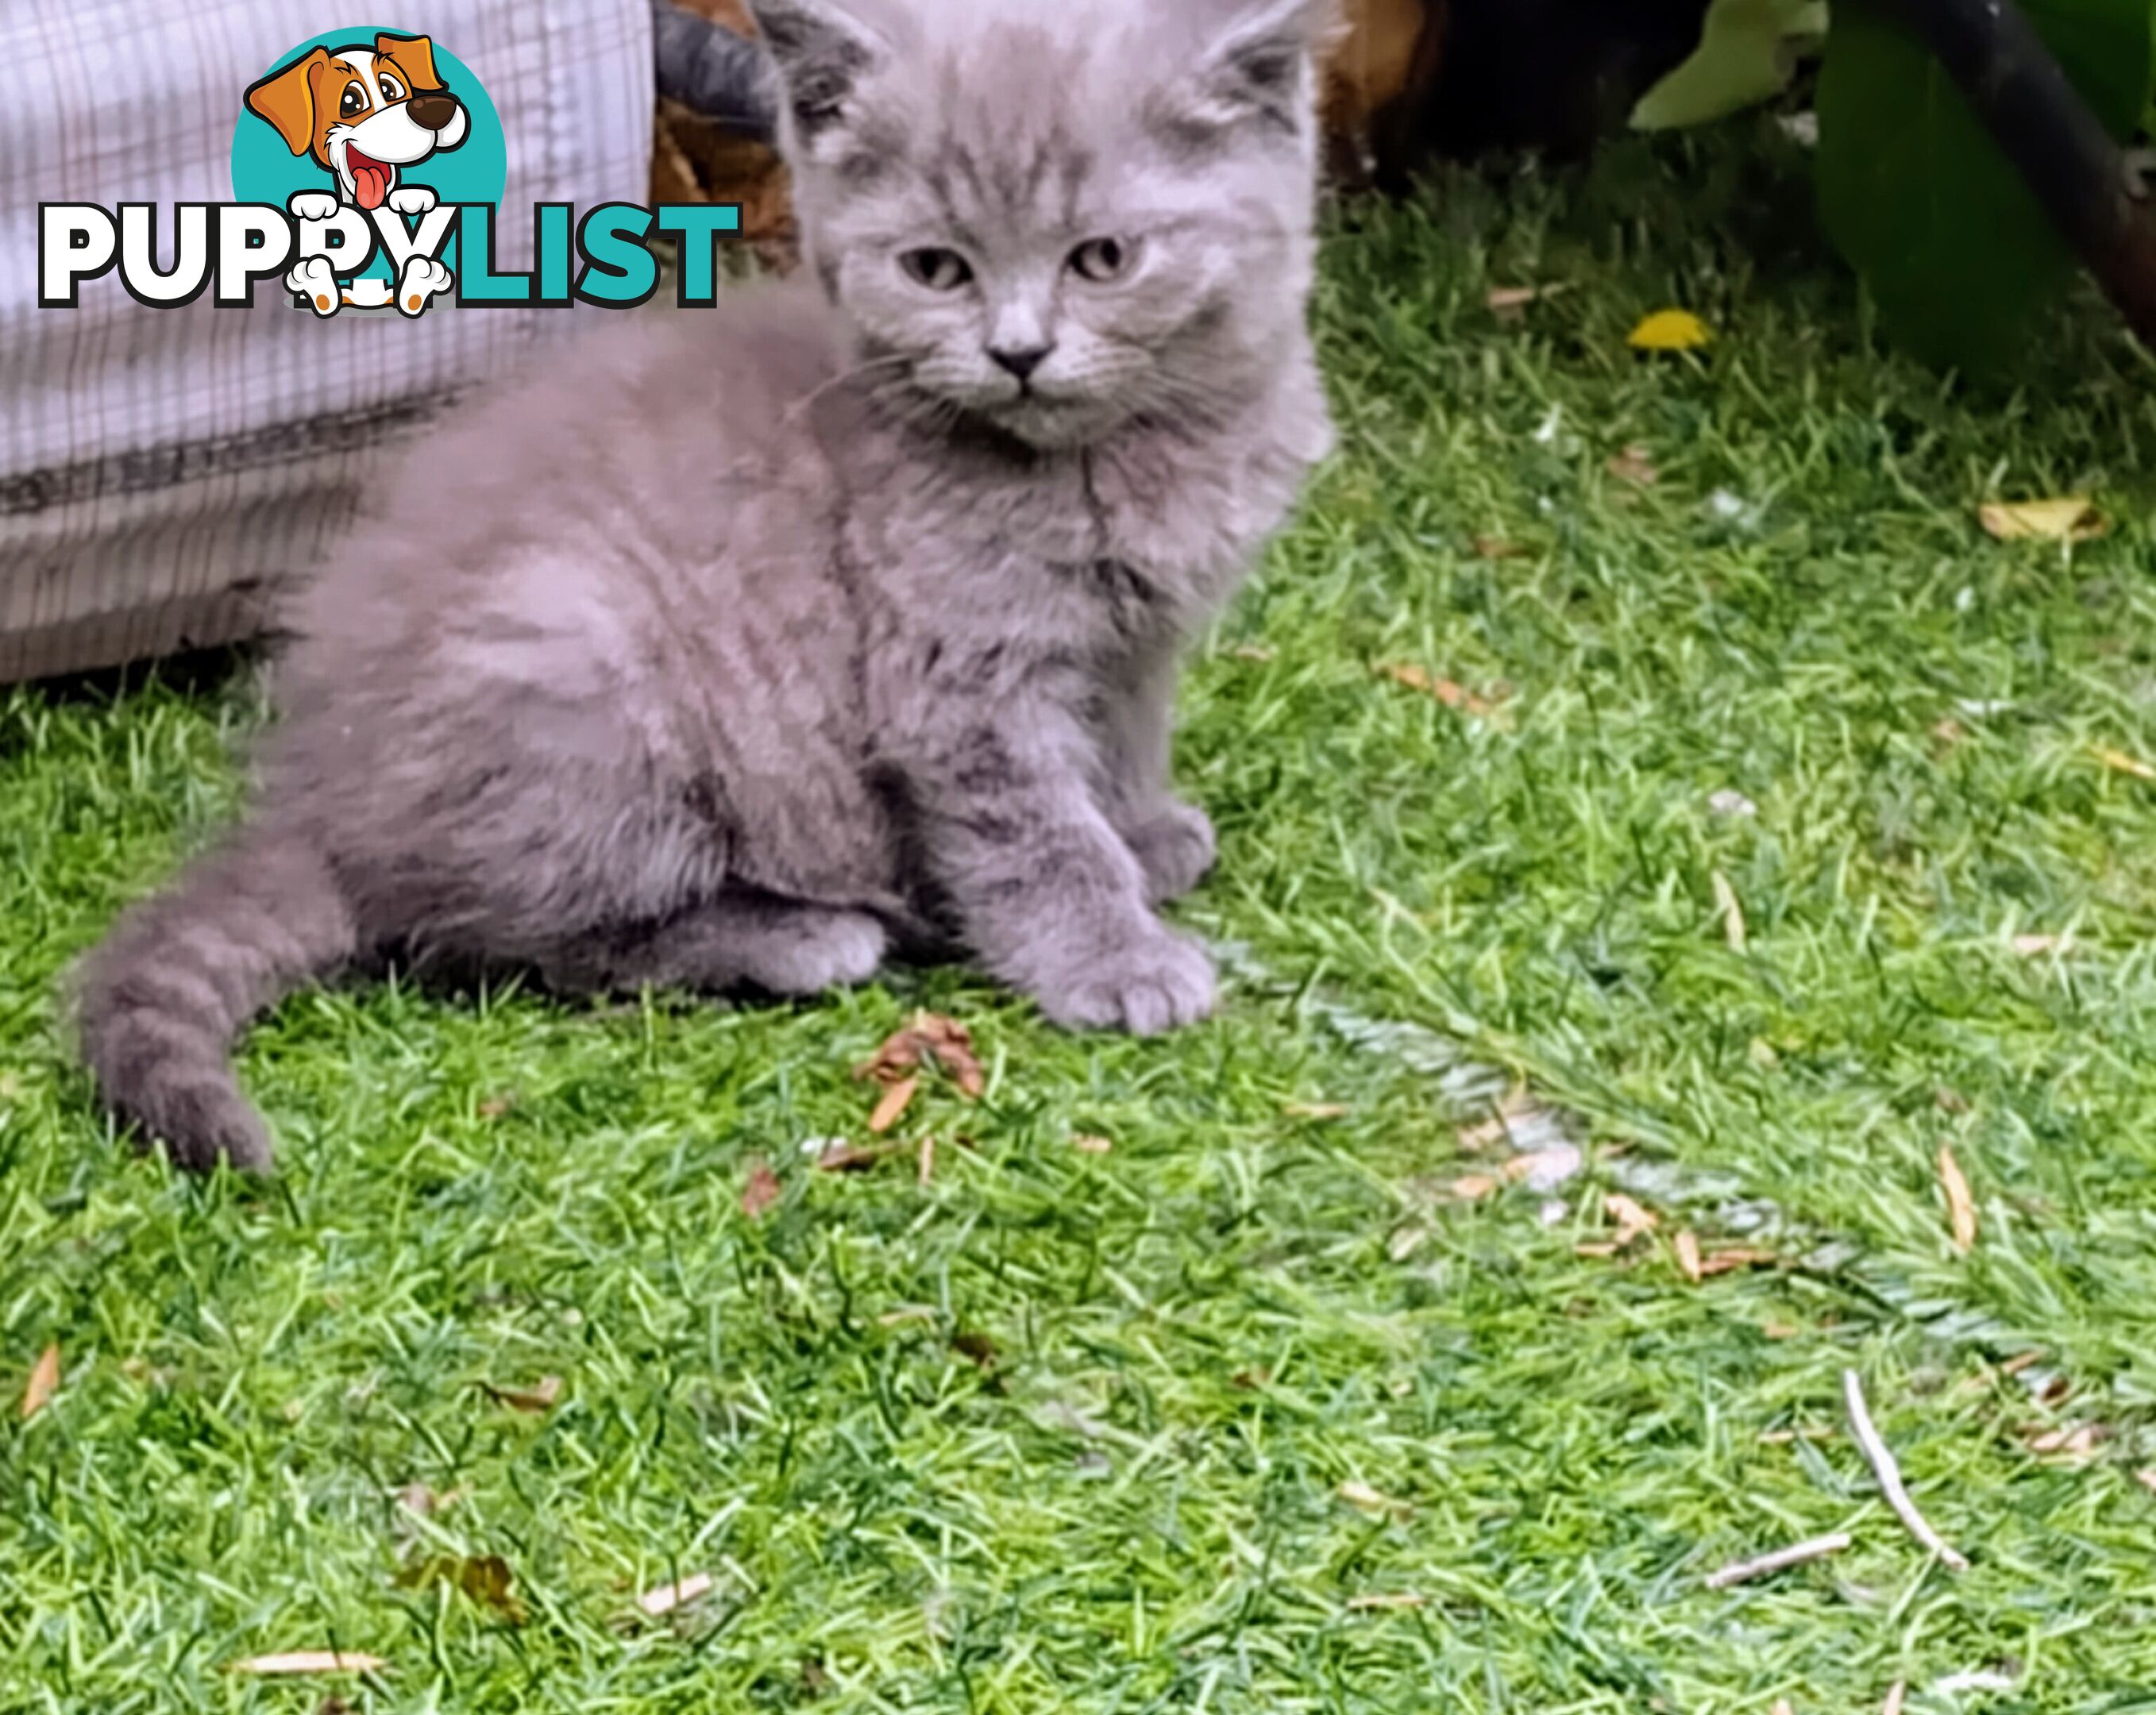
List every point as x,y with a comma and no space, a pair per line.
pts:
1952,245
1747,55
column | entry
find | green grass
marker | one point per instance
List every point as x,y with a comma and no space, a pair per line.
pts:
1197,1338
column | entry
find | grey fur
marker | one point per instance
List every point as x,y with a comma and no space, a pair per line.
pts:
746,645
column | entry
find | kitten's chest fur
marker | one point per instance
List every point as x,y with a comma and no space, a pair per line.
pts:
1087,557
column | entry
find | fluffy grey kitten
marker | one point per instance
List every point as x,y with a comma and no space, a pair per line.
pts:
749,644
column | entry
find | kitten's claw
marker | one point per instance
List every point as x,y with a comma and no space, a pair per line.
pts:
1159,984
1175,849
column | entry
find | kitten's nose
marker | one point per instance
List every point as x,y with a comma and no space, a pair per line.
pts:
1021,360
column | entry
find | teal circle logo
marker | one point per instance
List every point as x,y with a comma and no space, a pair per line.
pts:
372,117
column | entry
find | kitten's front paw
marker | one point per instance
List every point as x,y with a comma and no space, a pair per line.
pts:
1157,983
1174,848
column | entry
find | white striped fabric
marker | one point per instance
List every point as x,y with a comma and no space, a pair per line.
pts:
161,470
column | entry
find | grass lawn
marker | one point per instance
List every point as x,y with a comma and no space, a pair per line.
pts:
1778,849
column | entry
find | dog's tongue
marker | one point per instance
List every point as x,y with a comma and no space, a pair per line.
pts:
370,179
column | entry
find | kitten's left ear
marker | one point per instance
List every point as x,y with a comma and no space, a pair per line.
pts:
823,48
1263,63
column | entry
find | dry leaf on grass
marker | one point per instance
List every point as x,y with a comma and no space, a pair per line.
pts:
1731,1258
840,1157
44,1380
539,1397
1398,1598
1483,1134
1782,1707
1497,547
1634,465
1511,301
2037,946
1669,331
892,1104
976,1346
1517,1117
1365,1499
1686,1246
2067,518
1087,1144
2119,763
299,1661
1542,1169
483,1578
925,1159
2147,1479
929,1038
667,1597
1315,1109
1961,1207
1449,691
1731,910
2078,1444
761,1191
420,1498
1894,1694
1631,1218
1406,1242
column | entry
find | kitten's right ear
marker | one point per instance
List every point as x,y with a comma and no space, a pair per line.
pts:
822,49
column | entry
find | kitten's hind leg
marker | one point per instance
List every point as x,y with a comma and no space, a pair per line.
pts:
740,940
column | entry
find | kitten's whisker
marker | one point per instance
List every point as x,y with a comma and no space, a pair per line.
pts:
843,377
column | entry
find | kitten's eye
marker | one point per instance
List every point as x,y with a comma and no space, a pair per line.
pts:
354,101
939,270
391,90
1102,260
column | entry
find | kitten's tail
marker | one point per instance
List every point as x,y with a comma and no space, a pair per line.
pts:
161,1000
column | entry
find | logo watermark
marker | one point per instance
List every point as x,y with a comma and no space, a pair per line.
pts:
368,166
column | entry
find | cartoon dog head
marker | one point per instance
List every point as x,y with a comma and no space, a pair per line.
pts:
363,112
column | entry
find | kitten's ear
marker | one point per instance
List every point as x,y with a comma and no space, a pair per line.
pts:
822,48
1262,63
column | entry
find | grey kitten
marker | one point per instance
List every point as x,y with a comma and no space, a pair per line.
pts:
749,644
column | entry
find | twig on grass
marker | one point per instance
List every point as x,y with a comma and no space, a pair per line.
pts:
1881,1458
1780,1560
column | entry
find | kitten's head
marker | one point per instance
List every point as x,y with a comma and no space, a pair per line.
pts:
1056,215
